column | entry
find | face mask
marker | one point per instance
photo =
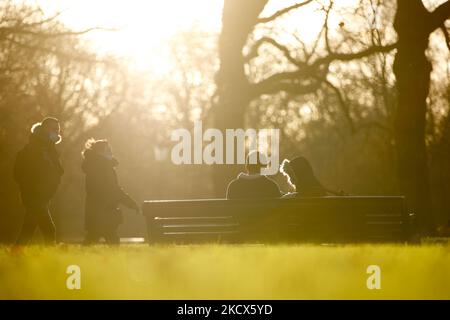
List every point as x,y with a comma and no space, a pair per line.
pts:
54,137
108,155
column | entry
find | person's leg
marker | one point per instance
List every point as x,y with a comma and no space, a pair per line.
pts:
47,226
29,225
91,238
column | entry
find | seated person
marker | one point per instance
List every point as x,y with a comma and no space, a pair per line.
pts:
252,184
300,176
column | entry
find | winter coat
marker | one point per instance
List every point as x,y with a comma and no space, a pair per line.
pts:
252,186
103,193
37,170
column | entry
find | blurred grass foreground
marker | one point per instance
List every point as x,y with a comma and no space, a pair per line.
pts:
226,272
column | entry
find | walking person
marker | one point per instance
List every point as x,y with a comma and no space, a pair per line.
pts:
103,193
38,171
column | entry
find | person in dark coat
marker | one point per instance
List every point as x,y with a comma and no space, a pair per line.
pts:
103,193
252,184
38,171
301,177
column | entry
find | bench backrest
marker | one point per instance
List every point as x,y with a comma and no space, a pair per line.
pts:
325,219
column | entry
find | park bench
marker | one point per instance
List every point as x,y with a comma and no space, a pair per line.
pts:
323,220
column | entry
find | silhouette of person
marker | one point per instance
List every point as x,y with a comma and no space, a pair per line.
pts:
38,171
300,176
103,193
252,184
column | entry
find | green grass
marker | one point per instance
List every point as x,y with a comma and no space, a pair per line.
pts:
227,272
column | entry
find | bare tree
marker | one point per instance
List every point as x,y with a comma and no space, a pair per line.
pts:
414,25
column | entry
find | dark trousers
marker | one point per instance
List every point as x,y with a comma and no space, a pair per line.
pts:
110,236
37,217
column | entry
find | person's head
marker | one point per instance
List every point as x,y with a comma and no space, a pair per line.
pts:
99,147
255,161
299,173
49,128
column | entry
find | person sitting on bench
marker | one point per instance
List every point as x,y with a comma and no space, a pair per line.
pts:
253,184
300,176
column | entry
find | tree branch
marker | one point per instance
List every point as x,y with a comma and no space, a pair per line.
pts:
309,77
283,11
325,25
342,104
440,15
57,52
353,56
16,30
269,86
44,21
254,51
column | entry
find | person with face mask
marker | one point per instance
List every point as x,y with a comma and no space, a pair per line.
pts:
38,171
103,193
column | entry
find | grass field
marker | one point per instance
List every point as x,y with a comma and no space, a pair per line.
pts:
226,272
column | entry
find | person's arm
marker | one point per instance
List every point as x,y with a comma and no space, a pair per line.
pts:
113,191
127,201
123,197
340,193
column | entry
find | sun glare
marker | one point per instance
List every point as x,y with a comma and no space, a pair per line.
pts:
141,29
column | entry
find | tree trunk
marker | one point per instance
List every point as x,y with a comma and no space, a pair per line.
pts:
412,70
238,20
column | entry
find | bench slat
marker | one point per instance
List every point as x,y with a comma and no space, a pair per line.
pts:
307,219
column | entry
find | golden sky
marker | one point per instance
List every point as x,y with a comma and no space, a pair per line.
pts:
143,26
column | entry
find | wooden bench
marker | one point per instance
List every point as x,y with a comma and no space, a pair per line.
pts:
326,219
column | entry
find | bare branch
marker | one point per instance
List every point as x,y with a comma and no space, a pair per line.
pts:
254,51
44,21
283,11
440,15
57,52
342,104
308,77
325,26
18,30
269,86
354,56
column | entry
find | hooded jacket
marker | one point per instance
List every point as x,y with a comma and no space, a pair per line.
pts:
252,186
37,170
103,193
